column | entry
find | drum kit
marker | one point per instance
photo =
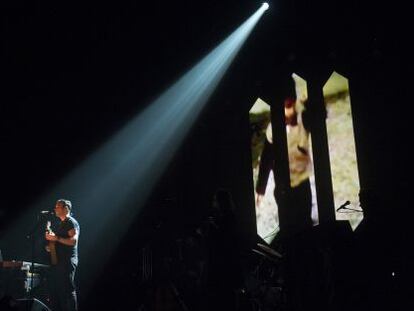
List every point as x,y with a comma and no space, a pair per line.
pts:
23,279
268,253
264,280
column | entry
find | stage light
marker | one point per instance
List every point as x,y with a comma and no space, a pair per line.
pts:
265,6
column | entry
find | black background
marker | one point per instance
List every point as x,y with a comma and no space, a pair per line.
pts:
75,72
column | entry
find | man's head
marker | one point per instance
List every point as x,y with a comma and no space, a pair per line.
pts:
63,208
291,116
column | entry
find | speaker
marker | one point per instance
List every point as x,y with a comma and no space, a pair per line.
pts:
32,304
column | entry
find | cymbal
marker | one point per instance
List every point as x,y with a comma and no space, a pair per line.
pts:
265,255
270,250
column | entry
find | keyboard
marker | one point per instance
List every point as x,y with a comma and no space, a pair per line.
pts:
22,265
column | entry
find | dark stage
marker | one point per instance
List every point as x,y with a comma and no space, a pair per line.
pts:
147,116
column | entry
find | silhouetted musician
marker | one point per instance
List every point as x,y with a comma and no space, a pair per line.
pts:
65,238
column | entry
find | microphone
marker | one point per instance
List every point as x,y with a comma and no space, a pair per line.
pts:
343,206
47,213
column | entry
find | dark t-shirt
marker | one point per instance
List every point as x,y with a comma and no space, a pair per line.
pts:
67,254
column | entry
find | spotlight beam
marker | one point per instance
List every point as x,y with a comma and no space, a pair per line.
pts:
127,167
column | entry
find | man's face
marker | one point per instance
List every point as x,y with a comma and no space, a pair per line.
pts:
60,209
290,115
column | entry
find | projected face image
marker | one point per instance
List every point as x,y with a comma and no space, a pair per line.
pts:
300,163
302,186
290,113
303,213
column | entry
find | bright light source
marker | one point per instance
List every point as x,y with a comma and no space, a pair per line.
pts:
265,6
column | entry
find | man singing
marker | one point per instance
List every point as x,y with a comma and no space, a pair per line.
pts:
65,239
297,120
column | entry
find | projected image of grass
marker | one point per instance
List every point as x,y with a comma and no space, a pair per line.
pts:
345,179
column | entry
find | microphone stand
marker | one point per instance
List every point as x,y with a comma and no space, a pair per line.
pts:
350,209
31,236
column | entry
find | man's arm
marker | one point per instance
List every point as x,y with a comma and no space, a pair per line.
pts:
70,241
265,166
